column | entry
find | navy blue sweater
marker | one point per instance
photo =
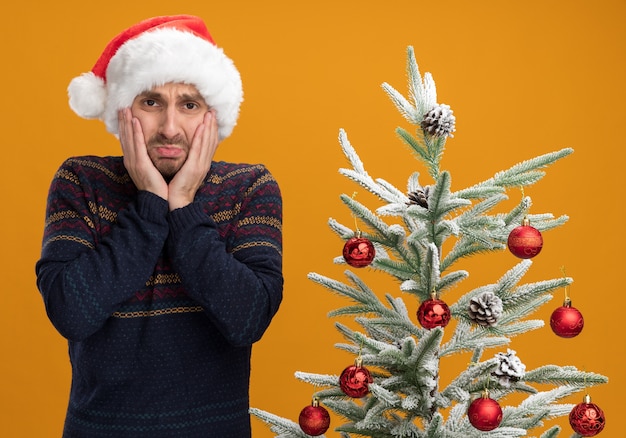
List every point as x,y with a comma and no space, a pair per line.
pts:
160,308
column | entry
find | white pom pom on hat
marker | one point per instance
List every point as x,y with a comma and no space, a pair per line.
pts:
154,52
87,95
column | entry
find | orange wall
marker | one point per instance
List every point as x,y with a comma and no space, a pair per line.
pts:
523,78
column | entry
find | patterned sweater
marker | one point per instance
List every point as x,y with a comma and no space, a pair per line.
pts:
160,308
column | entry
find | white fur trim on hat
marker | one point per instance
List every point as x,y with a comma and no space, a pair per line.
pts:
154,58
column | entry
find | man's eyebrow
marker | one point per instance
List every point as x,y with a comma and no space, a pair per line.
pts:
150,95
195,97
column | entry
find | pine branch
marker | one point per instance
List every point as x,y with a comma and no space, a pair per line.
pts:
420,151
371,349
510,279
568,375
399,269
513,329
466,338
460,388
398,306
503,178
435,428
405,429
339,229
519,175
400,327
456,418
330,393
381,333
476,231
317,379
361,293
468,246
526,293
368,303
553,432
542,403
546,222
450,280
349,410
429,149
515,216
388,399
384,234
391,189
423,93
479,191
441,202
375,420
285,428
360,175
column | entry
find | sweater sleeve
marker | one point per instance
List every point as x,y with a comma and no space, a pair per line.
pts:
84,274
239,284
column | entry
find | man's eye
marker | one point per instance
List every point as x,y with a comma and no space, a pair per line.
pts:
191,105
150,102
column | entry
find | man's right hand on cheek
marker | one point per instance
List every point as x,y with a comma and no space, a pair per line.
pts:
136,160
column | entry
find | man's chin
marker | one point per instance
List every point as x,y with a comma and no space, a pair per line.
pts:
168,170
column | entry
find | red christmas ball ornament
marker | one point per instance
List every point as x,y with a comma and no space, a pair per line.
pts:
567,321
314,420
525,241
354,380
358,251
587,419
433,312
485,413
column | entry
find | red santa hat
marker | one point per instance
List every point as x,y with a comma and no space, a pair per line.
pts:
154,52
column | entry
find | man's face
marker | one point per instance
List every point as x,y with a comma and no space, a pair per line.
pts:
169,115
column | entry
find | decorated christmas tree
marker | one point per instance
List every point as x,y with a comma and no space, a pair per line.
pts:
416,236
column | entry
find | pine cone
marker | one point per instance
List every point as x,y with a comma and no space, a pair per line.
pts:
510,369
419,197
439,121
485,309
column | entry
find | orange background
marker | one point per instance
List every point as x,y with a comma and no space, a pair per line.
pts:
523,78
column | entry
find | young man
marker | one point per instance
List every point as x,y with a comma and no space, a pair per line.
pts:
161,267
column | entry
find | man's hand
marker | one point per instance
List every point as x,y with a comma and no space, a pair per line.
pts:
136,160
189,178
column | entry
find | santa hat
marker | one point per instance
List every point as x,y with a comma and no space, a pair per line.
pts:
154,52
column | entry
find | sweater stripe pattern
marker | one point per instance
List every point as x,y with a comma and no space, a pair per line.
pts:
160,308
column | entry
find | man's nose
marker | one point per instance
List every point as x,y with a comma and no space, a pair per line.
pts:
169,126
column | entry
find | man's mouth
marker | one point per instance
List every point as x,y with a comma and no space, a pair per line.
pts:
169,151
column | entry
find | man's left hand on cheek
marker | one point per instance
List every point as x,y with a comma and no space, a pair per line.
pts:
187,181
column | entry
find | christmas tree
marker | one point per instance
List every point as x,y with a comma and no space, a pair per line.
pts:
417,237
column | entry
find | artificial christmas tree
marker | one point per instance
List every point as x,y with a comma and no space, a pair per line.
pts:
432,229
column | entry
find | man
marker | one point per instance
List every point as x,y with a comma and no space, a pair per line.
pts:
161,267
